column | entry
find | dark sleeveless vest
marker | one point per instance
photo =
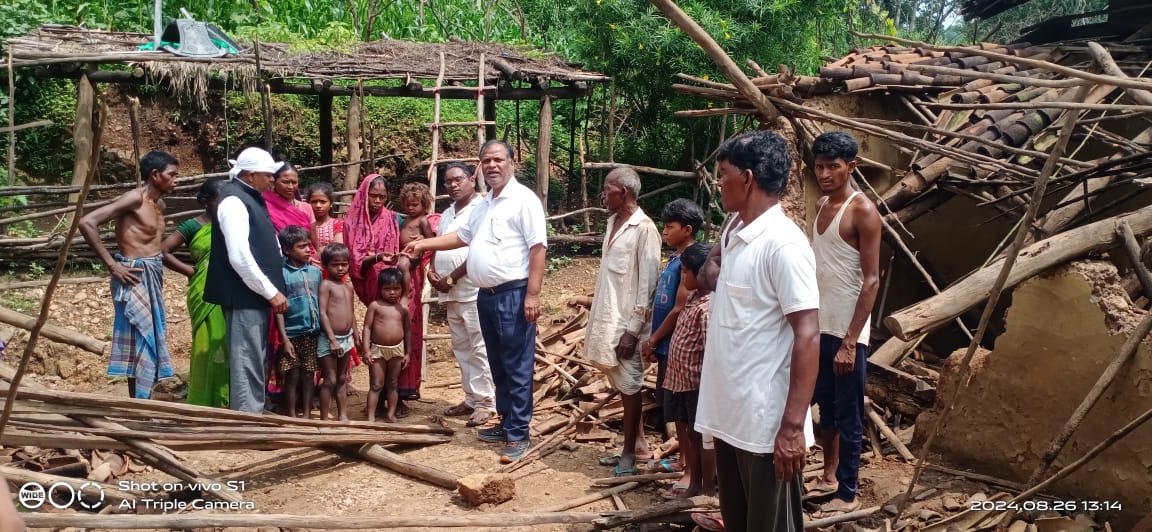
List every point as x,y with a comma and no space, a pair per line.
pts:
223,285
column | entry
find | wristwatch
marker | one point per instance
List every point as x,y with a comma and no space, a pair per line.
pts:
450,281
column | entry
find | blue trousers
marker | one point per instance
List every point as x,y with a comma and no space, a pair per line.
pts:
511,343
841,401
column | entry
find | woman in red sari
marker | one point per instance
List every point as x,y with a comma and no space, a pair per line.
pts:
372,234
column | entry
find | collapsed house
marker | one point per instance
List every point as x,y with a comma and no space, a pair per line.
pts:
954,141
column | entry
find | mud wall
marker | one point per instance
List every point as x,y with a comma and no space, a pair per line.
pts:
1062,329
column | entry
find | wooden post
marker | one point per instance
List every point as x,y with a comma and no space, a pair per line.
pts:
326,134
543,147
11,122
352,171
265,99
134,118
584,189
82,134
490,116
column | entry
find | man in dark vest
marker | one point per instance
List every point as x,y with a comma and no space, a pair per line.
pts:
245,275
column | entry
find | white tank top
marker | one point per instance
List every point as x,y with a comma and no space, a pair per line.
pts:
838,277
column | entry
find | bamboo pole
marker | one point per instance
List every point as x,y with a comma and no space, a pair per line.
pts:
265,105
584,187
11,122
1013,252
42,282
432,178
649,477
642,169
22,127
543,150
727,66
51,331
1109,66
87,153
319,522
587,499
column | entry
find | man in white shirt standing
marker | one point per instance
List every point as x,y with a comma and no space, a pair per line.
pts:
459,296
621,307
508,240
246,276
762,354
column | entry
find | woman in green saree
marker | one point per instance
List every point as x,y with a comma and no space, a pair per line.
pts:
208,362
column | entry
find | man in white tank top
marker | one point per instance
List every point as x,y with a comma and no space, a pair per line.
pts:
846,242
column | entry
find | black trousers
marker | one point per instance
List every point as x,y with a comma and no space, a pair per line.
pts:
751,500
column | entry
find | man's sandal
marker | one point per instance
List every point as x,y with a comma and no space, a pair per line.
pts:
827,511
709,521
461,409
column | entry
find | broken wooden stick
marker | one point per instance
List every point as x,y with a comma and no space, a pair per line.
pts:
19,476
648,477
1109,66
993,296
547,445
54,332
656,510
1132,247
319,522
879,423
587,499
1102,383
842,518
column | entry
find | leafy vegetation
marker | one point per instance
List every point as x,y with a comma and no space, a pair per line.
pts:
627,39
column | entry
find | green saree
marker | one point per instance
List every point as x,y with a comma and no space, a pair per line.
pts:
208,364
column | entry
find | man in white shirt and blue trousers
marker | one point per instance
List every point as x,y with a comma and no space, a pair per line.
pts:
762,354
508,240
246,276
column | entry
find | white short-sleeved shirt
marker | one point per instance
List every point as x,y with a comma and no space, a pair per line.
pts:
446,261
767,271
500,232
622,302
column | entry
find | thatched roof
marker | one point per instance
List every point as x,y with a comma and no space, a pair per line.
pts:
66,48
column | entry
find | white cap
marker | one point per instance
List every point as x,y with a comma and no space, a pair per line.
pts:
253,160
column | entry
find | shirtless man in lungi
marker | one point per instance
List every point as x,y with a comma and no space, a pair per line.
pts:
139,343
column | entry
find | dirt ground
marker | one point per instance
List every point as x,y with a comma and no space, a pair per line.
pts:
316,482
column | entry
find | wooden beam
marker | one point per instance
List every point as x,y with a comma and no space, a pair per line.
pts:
642,170
543,150
54,332
278,86
729,67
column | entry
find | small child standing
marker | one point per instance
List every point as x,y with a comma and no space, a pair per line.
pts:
682,382
300,326
327,228
386,337
338,322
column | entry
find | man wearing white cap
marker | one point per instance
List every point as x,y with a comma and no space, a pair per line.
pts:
245,276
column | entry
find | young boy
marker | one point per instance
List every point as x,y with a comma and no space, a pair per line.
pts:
139,347
682,219
682,382
338,322
300,326
386,336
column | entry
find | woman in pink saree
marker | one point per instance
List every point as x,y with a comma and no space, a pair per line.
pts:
283,206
